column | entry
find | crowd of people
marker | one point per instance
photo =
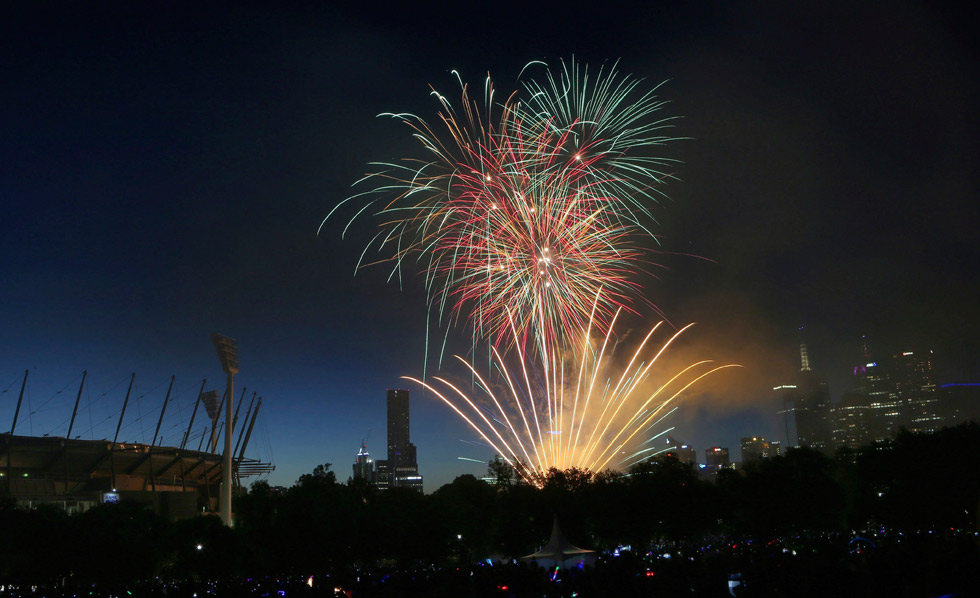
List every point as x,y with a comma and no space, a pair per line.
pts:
937,563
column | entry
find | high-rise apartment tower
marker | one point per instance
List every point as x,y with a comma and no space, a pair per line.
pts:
401,468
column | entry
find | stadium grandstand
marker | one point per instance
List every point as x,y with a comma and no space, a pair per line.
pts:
168,473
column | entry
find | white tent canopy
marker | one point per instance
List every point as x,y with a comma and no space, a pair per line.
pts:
559,552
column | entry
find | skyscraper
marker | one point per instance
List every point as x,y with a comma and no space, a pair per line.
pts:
852,419
364,465
775,448
754,448
402,469
806,408
680,450
900,392
873,382
915,383
716,458
398,420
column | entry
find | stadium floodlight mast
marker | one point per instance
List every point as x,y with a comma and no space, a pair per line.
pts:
228,354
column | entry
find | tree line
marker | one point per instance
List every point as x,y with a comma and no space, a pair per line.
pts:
915,482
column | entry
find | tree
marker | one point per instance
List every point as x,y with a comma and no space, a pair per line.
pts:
467,508
321,475
501,471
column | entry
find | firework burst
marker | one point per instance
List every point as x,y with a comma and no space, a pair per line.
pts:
526,208
584,412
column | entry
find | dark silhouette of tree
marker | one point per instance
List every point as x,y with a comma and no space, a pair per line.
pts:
36,543
793,493
920,481
321,475
501,472
915,483
469,516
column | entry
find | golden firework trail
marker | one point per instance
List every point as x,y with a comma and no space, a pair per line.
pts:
583,412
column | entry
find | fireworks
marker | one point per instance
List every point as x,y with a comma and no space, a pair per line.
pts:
528,207
530,219
578,415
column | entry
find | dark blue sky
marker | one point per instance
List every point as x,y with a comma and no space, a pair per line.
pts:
163,172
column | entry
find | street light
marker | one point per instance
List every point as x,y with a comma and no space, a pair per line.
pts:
228,354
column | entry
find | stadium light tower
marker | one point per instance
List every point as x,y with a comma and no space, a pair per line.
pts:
228,354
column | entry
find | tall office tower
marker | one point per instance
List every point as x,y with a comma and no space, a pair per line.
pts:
402,463
853,417
680,450
806,408
754,448
382,474
852,420
775,448
900,392
915,384
886,412
364,465
716,458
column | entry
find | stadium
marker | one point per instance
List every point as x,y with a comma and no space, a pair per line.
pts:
175,481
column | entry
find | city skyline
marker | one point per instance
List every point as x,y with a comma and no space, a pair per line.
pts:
202,435
164,175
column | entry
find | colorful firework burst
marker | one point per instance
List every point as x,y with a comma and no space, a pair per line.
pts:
526,208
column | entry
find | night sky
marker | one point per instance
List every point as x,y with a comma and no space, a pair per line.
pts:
163,173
